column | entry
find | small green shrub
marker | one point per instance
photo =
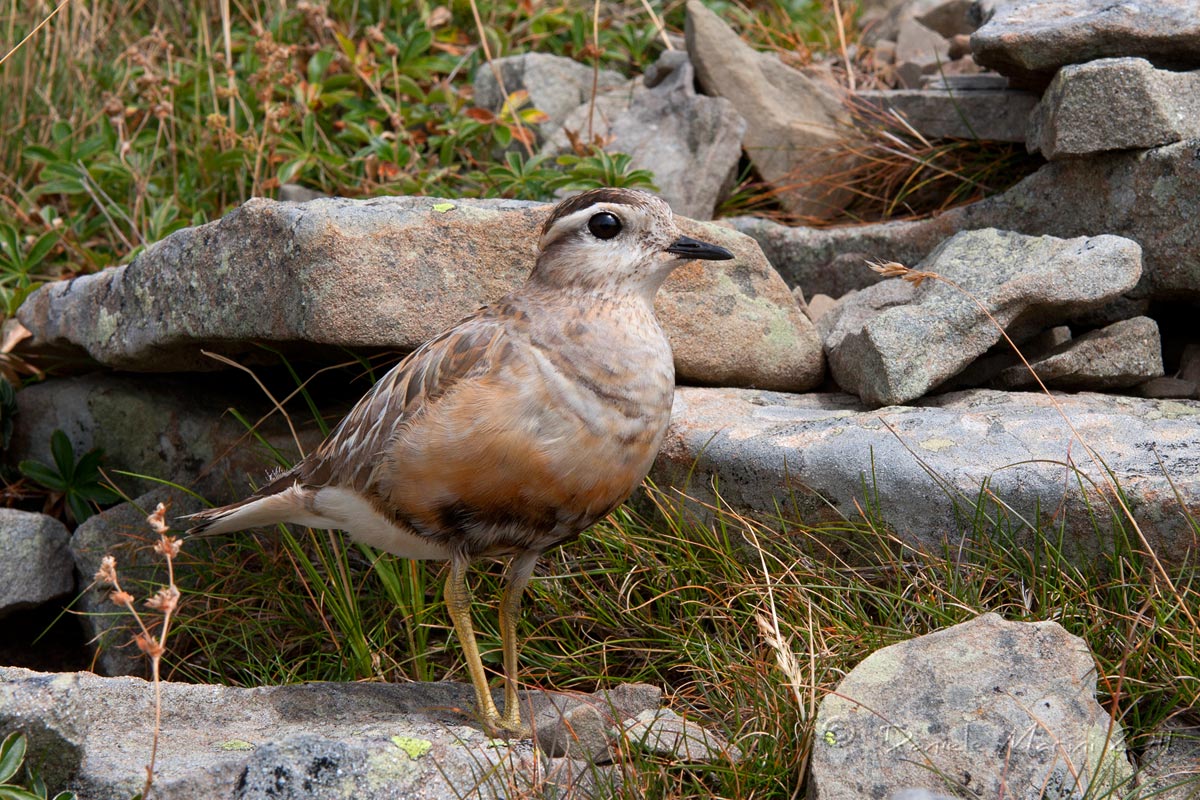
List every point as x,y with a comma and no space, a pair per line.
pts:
79,483
12,756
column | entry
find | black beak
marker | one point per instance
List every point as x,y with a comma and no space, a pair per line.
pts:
688,247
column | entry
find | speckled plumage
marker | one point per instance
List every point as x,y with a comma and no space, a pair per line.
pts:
514,430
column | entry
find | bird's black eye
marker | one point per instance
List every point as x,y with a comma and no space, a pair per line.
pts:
604,225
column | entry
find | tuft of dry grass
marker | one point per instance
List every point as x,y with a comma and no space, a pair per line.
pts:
890,171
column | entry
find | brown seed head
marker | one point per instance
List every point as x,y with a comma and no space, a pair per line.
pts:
158,520
108,570
164,600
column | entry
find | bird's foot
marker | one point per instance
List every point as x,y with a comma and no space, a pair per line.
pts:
508,726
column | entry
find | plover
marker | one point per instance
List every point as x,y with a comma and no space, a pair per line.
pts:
512,431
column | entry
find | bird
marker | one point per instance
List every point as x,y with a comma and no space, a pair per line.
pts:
512,431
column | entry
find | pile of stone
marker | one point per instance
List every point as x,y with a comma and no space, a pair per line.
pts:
1118,130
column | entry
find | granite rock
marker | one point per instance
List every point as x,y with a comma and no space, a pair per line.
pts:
989,708
1118,356
795,124
588,727
310,280
1029,40
919,52
893,342
999,115
949,19
1169,767
556,85
35,560
175,428
669,129
922,469
371,741
1149,196
123,533
1114,104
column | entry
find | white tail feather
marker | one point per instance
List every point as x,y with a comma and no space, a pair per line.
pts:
287,506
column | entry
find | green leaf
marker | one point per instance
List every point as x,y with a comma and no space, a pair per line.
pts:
308,133
60,186
80,510
62,132
349,48
97,493
40,473
406,86
41,248
87,469
18,296
290,169
10,243
16,793
12,753
503,135
318,65
39,154
64,455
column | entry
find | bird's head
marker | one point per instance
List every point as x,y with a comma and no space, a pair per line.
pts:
615,240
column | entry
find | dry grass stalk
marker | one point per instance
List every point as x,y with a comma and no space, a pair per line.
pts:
35,30
526,137
165,601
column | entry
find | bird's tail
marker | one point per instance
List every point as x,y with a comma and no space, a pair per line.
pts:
275,502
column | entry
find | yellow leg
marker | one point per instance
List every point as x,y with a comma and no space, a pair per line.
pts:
458,602
516,579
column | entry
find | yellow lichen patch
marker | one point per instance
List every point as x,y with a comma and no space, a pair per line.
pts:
412,745
234,745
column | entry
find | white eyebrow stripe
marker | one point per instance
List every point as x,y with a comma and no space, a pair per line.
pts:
573,221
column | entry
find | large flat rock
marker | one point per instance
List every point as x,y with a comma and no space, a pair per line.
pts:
921,468
997,115
1029,40
370,741
391,273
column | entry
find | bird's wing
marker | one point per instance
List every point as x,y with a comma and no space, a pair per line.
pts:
350,454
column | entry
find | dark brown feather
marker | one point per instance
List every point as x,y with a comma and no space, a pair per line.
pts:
581,201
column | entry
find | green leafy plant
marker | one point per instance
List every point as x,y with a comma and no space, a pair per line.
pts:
12,756
600,168
77,483
20,267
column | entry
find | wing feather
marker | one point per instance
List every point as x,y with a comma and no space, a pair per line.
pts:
354,449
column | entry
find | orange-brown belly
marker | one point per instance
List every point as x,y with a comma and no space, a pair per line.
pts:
516,472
